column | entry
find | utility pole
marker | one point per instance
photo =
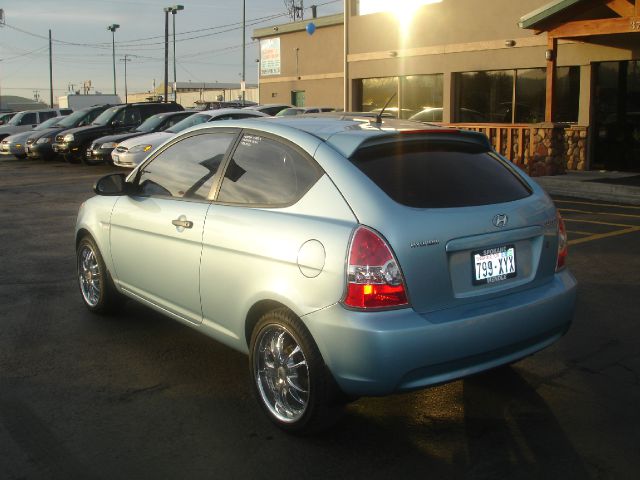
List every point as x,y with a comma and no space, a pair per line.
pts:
50,72
126,93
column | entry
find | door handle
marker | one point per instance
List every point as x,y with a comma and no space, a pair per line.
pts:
182,223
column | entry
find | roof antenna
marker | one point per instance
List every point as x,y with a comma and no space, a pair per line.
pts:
379,116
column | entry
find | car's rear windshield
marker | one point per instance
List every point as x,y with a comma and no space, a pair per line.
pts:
439,173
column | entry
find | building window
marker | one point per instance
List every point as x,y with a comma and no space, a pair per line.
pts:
377,91
566,94
422,93
531,87
414,94
485,97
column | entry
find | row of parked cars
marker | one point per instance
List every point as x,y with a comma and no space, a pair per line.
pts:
119,134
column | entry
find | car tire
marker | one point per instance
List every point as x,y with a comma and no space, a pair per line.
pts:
96,286
20,156
289,377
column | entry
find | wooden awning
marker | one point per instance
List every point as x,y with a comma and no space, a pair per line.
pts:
584,18
568,19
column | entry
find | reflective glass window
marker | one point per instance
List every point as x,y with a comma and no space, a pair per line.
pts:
187,168
263,171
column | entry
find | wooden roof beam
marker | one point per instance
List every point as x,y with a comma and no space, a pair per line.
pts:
624,8
586,28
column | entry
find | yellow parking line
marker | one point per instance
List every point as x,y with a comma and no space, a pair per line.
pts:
599,204
595,222
599,213
599,236
578,232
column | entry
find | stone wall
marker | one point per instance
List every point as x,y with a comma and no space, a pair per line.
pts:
558,148
540,148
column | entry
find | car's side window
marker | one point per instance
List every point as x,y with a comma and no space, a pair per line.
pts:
263,171
187,168
29,118
132,117
46,115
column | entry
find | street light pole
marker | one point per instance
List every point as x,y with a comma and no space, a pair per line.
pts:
174,10
112,28
166,51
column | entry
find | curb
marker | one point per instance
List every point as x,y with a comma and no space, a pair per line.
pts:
571,187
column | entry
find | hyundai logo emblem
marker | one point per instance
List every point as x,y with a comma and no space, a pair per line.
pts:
500,220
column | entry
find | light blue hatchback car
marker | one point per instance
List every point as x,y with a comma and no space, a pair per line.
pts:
346,256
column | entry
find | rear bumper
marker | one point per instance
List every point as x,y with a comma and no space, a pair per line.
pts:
378,353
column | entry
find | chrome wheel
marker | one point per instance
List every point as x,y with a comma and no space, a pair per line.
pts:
89,275
281,373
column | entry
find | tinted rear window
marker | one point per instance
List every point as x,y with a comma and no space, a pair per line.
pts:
439,174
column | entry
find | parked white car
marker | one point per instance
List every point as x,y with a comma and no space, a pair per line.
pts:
132,152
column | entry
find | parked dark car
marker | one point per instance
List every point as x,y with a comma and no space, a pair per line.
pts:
101,148
213,105
39,144
72,144
269,108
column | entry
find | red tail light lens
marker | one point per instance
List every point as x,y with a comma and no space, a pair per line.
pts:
563,245
374,279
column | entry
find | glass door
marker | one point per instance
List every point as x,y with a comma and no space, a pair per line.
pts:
617,116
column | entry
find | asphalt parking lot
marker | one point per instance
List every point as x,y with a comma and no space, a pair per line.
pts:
141,396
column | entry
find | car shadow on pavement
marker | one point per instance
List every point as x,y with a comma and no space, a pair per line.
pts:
493,425
513,433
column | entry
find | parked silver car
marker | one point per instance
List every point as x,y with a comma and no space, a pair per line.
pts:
346,257
28,119
16,144
132,152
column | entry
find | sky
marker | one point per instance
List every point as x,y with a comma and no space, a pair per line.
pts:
208,42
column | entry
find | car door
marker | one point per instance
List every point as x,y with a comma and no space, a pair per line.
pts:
156,235
250,242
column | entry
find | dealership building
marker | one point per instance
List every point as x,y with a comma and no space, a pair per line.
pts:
555,86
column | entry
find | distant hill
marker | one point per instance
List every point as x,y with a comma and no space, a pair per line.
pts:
17,104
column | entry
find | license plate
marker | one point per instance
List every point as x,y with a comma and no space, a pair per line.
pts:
88,153
493,265
115,158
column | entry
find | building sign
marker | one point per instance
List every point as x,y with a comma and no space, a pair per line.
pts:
270,56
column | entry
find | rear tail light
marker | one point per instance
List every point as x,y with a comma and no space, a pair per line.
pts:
563,245
374,279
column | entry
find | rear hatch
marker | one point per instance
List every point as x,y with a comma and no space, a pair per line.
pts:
464,225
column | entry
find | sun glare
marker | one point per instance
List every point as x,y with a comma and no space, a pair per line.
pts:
403,10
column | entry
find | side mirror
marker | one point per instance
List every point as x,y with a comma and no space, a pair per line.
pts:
112,185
